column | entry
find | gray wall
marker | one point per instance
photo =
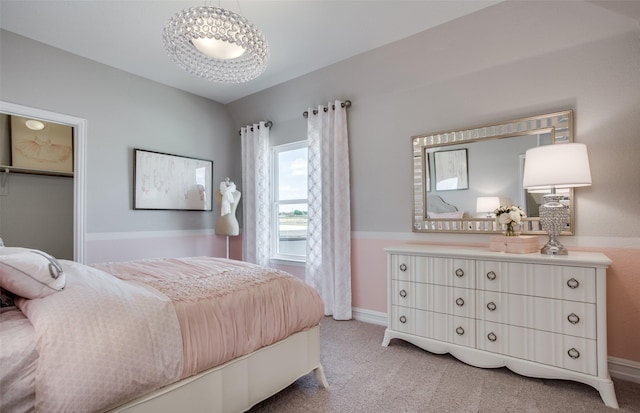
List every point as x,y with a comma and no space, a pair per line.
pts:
512,60
123,112
37,213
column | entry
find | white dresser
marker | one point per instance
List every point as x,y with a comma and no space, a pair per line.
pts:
538,315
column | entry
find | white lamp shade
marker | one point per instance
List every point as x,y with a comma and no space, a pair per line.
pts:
563,165
487,203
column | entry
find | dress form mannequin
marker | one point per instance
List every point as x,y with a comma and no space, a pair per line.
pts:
227,198
228,224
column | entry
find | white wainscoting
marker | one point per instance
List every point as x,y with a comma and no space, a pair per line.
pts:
125,246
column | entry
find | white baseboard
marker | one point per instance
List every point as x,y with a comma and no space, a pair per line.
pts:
622,369
369,316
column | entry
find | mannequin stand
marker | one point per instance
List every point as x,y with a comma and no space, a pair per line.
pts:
227,247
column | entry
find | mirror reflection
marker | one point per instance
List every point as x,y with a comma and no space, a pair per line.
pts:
461,177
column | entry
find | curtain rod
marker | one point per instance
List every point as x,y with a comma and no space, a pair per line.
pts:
268,124
345,104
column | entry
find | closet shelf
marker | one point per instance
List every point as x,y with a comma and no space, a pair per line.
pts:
13,169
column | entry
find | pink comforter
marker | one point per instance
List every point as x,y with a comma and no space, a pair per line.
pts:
226,308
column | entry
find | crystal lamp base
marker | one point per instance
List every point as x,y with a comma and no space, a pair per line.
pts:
554,217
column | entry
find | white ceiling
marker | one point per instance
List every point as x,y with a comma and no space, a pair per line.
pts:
303,35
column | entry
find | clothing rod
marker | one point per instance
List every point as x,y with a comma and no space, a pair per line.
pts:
345,104
268,124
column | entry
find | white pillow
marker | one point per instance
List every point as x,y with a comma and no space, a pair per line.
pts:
30,273
446,215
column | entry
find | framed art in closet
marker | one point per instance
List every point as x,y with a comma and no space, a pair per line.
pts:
41,146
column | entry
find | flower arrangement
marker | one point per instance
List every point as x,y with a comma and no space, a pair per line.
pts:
510,216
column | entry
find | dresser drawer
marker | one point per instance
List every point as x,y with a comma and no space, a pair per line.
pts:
436,326
557,316
559,350
433,270
454,272
431,297
409,268
541,280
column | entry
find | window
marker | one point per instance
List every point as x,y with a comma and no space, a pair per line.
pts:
289,202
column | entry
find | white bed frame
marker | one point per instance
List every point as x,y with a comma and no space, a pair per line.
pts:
239,384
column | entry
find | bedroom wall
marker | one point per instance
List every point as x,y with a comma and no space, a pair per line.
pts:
123,112
511,60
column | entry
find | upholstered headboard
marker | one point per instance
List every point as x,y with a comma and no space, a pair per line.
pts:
438,205
438,208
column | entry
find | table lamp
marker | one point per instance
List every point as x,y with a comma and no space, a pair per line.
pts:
487,204
551,167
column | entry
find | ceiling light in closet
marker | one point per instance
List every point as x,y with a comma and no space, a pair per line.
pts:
34,124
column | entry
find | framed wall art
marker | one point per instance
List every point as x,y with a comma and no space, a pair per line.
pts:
451,170
173,182
41,146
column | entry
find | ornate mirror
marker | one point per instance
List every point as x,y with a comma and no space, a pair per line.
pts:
456,173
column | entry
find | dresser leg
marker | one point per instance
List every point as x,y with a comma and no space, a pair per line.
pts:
386,339
608,394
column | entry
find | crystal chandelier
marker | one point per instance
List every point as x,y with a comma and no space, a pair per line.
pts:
216,44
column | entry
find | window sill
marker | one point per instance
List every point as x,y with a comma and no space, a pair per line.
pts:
288,261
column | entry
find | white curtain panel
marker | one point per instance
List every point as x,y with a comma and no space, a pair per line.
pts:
255,185
328,266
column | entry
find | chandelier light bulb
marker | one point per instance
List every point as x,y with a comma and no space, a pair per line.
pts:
218,49
216,44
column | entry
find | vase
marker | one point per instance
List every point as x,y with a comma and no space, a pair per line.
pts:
512,229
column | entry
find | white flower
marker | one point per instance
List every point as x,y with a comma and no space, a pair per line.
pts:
504,218
508,214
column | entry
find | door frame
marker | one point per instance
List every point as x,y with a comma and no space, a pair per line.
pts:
79,165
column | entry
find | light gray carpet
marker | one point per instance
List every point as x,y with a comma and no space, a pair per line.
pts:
366,377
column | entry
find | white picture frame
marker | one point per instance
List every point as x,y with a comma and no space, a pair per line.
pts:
451,170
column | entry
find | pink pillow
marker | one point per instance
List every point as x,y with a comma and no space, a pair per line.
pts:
30,273
446,215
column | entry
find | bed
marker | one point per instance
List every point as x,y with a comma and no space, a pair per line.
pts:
162,335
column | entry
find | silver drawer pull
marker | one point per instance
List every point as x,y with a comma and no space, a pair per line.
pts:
573,353
573,283
403,293
459,272
573,318
403,319
459,301
460,331
491,275
403,267
491,306
492,337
